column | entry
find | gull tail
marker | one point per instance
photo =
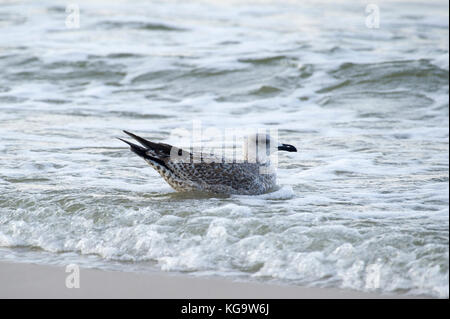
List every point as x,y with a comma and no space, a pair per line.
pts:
158,148
138,150
153,152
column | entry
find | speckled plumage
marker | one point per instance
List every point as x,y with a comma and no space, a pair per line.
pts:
205,174
222,178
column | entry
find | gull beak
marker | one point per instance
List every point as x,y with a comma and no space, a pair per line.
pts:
287,147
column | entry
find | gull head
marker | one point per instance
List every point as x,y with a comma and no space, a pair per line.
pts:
258,147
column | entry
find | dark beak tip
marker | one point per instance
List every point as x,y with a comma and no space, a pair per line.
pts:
287,148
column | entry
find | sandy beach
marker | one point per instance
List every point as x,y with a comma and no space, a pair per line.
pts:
21,280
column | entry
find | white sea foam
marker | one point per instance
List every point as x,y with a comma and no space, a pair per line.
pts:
442,61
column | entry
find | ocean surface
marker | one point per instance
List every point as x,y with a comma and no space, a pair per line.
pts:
363,205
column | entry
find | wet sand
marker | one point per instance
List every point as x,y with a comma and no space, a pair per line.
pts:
21,280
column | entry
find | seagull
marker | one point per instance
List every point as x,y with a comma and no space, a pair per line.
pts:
200,172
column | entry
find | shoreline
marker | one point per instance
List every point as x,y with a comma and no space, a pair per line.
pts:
25,280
